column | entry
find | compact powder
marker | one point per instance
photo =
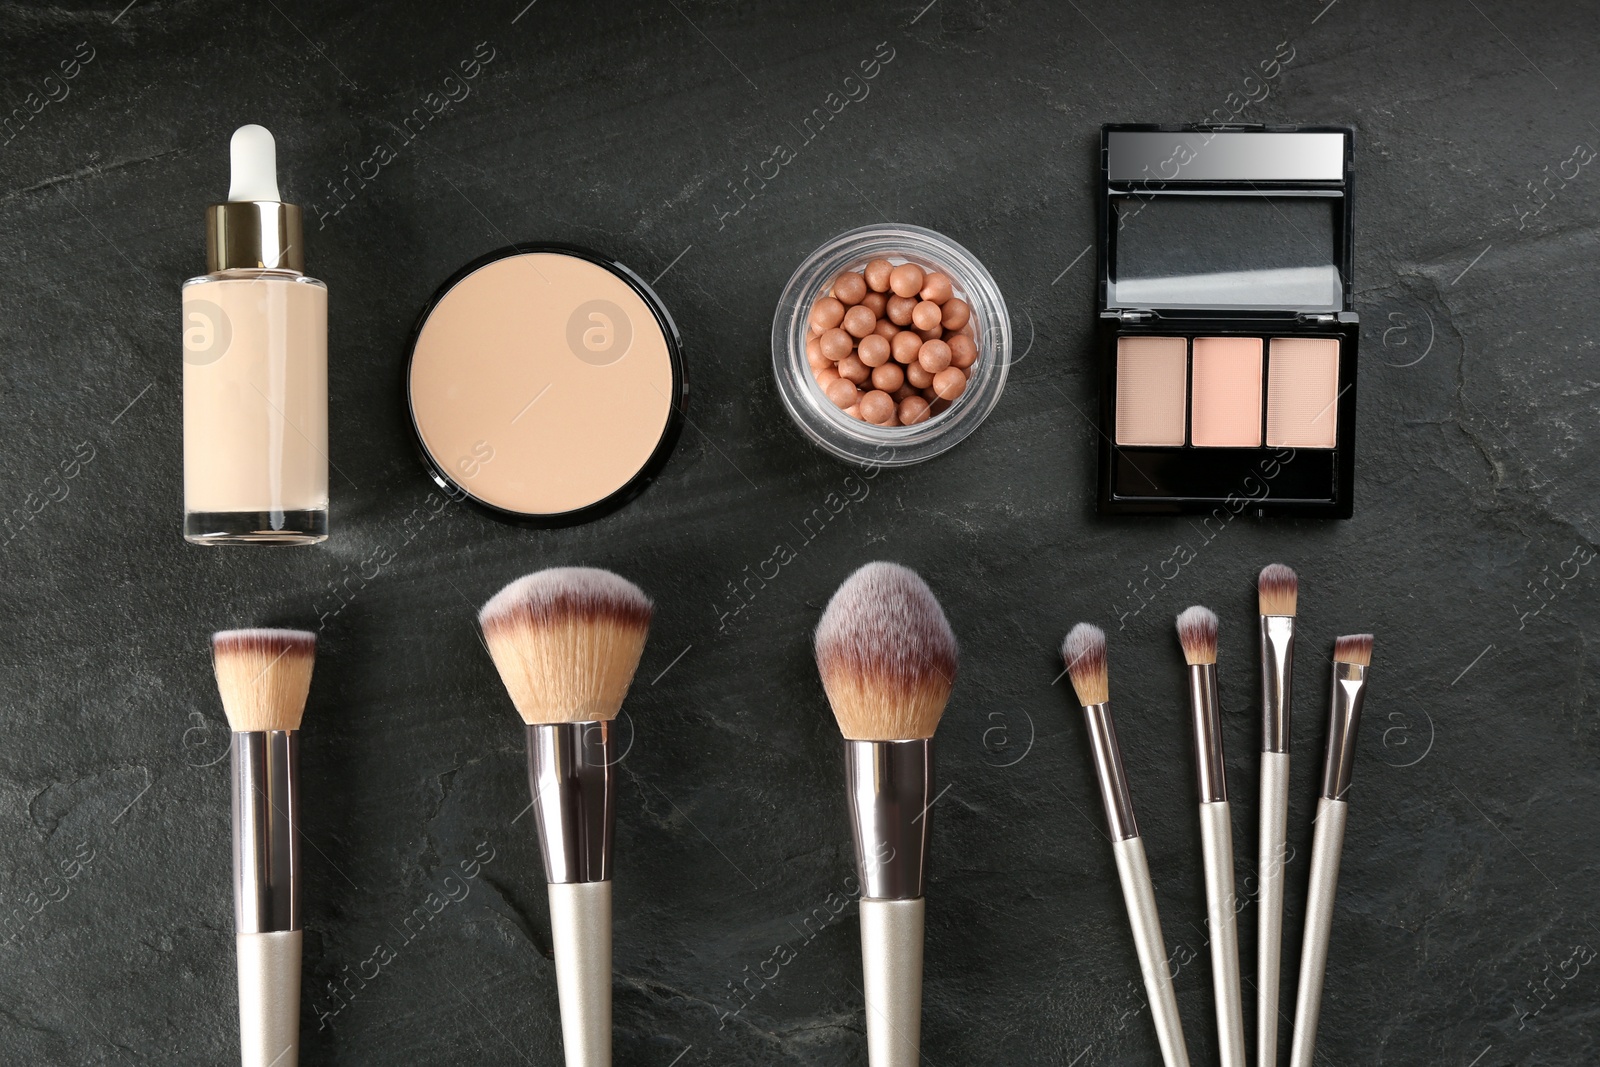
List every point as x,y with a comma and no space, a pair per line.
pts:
1152,390
545,384
1227,392
1303,392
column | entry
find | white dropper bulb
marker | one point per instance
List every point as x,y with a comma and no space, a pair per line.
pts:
254,161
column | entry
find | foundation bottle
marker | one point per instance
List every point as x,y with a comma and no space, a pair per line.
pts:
255,369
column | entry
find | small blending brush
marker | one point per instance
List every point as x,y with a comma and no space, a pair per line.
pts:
1352,655
888,660
1197,633
264,676
1084,651
1277,595
566,642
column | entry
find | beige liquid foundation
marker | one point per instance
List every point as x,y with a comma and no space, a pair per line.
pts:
255,369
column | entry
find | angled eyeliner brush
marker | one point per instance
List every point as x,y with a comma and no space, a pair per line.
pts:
1352,655
1197,633
1084,652
1277,596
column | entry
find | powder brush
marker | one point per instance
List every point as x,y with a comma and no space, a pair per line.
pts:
887,658
1197,633
1084,652
264,677
1277,597
1352,656
566,642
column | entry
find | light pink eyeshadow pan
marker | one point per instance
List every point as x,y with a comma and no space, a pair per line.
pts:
1152,390
1303,392
1227,392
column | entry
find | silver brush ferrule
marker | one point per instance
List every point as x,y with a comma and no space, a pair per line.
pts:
266,839
889,787
1344,718
572,775
1277,665
1211,778
1120,823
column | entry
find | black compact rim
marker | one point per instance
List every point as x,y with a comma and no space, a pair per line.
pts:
646,474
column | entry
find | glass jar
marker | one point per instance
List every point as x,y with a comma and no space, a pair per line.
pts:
861,442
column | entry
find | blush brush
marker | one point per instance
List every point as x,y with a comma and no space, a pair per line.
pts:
1197,633
1352,656
264,677
1084,651
566,642
887,658
1277,597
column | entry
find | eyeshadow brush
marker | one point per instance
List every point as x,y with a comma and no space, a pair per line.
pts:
566,642
887,658
263,677
1084,651
1352,655
1277,596
1197,633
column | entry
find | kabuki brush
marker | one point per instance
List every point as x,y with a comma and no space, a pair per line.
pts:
567,642
264,677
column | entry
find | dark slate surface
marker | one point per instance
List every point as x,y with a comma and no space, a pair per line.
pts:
1466,932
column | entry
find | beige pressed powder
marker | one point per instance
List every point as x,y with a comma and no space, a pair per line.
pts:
545,385
1227,392
1152,390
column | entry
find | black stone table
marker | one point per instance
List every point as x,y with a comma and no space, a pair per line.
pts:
1466,929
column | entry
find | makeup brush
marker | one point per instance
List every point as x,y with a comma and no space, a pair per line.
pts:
264,676
566,642
1197,633
1084,651
888,660
1352,655
1277,594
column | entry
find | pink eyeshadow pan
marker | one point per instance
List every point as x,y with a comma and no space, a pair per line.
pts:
1227,392
1303,392
1152,390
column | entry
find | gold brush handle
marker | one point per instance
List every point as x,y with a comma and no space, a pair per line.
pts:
580,929
1140,895
1269,923
1326,847
1216,847
891,972
269,999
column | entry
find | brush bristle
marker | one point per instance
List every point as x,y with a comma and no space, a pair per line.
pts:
1277,590
1353,648
567,641
886,654
263,676
1197,633
1084,652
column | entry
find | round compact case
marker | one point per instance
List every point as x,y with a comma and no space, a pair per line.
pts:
545,384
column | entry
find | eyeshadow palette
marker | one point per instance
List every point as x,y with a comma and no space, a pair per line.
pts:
1229,366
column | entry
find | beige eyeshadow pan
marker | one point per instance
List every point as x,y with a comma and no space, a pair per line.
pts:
1152,390
545,385
1303,392
1227,392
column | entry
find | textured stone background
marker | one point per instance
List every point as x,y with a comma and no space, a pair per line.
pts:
1465,931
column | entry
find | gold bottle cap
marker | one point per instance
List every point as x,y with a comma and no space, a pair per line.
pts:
254,229
261,234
